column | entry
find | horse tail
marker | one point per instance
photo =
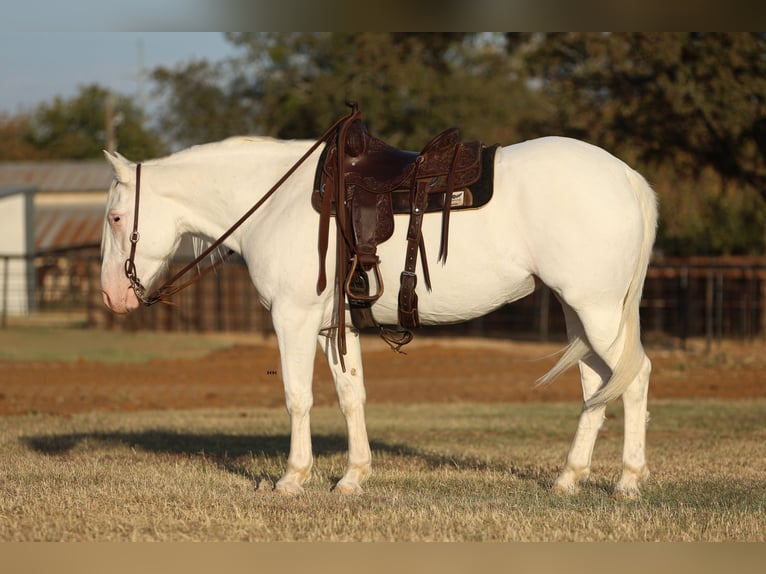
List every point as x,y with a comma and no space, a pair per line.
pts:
631,358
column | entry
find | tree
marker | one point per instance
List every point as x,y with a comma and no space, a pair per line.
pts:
700,97
692,101
76,128
14,144
203,102
293,85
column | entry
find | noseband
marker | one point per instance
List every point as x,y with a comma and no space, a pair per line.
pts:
168,288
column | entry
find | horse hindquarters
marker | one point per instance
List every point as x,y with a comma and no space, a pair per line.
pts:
594,254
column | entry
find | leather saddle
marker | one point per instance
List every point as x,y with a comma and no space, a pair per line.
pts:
371,182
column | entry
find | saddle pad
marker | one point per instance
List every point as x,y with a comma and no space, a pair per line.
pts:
472,197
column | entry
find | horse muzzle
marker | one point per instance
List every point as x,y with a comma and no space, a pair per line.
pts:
122,302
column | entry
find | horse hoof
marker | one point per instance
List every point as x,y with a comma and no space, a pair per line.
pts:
288,489
565,489
628,487
264,487
568,482
627,494
348,488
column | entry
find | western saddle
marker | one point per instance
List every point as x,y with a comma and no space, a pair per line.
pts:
363,182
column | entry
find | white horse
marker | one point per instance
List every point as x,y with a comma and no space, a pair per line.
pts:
564,213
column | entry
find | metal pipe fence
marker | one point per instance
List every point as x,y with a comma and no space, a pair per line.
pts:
713,298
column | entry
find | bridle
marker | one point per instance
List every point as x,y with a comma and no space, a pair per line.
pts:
169,287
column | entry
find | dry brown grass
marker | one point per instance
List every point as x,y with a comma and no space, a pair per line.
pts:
457,472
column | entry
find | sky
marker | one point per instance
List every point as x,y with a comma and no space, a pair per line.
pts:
46,48
35,67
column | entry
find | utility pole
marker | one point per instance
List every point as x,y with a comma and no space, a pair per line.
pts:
141,79
111,143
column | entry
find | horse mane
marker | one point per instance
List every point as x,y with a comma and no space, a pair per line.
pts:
223,146
200,244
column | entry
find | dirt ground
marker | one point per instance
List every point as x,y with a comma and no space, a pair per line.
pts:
247,374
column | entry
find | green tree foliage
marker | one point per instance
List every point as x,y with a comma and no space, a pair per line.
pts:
294,85
698,98
204,102
691,102
76,128
14,143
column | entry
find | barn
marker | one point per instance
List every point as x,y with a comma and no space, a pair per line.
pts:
48,210
16,242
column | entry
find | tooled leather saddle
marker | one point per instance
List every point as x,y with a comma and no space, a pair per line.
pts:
363,182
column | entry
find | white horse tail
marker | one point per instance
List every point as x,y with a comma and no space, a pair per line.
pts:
631,358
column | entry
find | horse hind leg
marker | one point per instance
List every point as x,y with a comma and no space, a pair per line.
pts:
593,372
349,385
634,468
601,329
578,461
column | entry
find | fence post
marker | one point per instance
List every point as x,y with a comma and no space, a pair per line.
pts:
719,306
6,261
683,304
709,288
761,317
219,319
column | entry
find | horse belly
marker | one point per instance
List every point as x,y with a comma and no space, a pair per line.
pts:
483,272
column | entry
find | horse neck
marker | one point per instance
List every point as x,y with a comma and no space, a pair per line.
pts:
211,193
189,195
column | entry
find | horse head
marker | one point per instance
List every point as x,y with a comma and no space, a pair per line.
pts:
156,239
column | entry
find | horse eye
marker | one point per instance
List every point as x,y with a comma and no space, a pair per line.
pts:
116,219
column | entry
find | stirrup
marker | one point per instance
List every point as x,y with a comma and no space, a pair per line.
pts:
350,276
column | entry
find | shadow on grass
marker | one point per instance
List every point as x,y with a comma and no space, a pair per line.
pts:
228,450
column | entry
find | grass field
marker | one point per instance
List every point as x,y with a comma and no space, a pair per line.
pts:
454,472
46,344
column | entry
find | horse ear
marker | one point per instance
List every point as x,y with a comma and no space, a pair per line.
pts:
121,166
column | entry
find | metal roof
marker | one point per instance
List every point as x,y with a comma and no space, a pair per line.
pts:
9,190
62,224
57,176
61,228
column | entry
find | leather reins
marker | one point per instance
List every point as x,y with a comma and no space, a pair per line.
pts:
169,288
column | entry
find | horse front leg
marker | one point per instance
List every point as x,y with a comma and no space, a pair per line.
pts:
349,386
297,349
